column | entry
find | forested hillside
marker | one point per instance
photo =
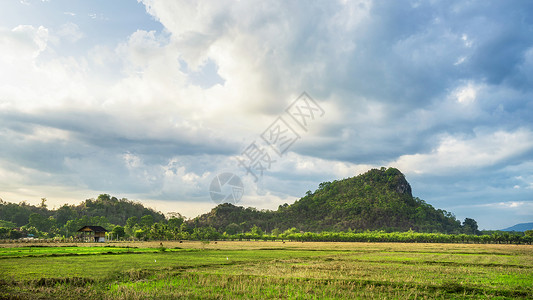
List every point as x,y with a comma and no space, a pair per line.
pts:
112,210
379,199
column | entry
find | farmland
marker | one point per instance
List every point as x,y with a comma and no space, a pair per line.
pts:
257,269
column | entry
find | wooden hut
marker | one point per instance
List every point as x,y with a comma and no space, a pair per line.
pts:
93,233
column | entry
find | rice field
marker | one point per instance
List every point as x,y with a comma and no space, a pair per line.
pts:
259,270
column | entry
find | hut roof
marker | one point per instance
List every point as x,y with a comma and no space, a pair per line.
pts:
93,228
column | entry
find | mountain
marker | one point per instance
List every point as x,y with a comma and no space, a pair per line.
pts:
520,227
380,199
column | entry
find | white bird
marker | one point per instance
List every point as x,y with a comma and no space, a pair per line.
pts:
227,258
155,260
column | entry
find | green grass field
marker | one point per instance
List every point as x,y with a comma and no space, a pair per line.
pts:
291,270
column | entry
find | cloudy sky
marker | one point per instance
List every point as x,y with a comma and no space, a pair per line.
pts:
150,100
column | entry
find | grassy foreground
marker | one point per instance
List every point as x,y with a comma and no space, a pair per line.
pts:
229,270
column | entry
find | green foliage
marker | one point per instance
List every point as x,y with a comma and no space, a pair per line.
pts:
132,221
256,231
66,220
41,222
4,232
470,226
15,234
7,224
380,199
141,234
276,232
175,223
118,232
147,221
72,226
233,229
64,214
19,213
205,233
32,231
117,211
159,231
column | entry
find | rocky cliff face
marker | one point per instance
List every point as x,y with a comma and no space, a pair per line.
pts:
402,186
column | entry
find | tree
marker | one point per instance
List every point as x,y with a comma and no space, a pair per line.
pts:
131,226
100,221
4,232
41,222
132,221
257,231
158,231
233,229
147,221
140,234
71,227
175,223
292,230
64,214
174,214
20,218
43,203
32,230
470,226
205,233
7,224
15,234
118,232
185,228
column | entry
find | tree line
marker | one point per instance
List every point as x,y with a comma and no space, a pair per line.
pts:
175,227
25,220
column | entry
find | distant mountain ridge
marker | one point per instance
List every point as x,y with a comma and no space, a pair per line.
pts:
380,199
520,227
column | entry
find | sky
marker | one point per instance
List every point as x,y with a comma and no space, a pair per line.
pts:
152,100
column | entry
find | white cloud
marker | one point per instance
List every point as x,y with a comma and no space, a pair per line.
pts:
458,154
429,89
132,161
522,205
460,60
22,42
98,16
466,94
178,180
70,31
468,43
302,165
